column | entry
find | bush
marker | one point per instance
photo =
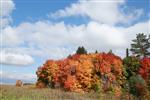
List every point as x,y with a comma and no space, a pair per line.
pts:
96,87
46,73
131,66
137,86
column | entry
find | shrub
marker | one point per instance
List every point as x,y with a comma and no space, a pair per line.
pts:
137,86
46,73
131,66
96,87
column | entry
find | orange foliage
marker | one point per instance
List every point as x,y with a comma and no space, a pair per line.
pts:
78,72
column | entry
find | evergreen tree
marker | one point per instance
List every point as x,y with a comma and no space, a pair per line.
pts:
110,51
96,51
141,45
127,52
81,50
69,56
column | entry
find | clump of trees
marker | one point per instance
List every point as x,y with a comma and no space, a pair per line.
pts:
81,50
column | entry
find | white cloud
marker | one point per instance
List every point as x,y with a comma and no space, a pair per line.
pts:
130,32
5,21
107,12
15,59
105,36
6,8
18,76
59,34
10,37
44,38
57,40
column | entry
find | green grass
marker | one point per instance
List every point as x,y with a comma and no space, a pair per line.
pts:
29,92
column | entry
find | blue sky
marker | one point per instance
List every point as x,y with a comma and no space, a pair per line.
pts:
33,31
39,7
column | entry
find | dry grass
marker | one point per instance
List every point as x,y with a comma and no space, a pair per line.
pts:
29,92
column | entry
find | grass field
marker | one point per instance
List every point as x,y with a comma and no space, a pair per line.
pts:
29,92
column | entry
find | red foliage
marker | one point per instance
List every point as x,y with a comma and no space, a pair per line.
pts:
79,72
145,68
75,57
69,84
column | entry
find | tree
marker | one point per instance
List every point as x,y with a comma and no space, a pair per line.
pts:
96,51
141,45
81,50
127,52
69,56
110,51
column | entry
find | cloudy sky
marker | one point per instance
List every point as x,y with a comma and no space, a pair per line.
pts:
33,31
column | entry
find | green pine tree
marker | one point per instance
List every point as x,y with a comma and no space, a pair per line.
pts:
141,45
110,51
81,50
96,51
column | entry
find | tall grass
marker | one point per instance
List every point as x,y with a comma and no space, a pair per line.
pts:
29,92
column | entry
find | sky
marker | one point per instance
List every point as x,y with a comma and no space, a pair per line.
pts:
33,31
